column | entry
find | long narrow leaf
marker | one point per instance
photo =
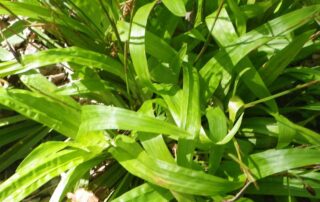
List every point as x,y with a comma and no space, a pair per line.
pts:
176,7
170,176
145,192
102,117
191,118
253,39
137,43
20,185
41,108
53,56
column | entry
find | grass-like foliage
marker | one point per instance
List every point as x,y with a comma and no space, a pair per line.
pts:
172,100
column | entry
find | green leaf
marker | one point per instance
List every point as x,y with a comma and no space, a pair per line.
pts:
42,14
312,107
145,192
85,86
190,115
232,132
102,91
39,83
239,17
275,66
91,13
191,118
199,15
282,186
273,161
137,43
159,48
97,117
286,131
267,126
257,9
43,153
11,120
154,145
215,157
20,149
217,123
225,34
72,177
176,7
235,107
53,56
13,30
16,131
170,176
39,154
44,109
155,46
21,184
110,178
173,101
252,40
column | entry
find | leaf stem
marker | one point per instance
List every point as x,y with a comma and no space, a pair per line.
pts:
113,25
206,44
298,87
239,194
126,52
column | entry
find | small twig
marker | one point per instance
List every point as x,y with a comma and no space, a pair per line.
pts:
113,25
87,20
15,53
126,52
239,194
126,44
314,36
206,44
298,87
243,167
309,119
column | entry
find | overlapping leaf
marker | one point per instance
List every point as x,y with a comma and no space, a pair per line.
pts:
96,118
167,175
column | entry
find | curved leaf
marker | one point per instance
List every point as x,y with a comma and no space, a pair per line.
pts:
97,117
176,7
252,40
282,186
40,13
21,148
217,123
137,43
16,131
75,55
145,192
190,115
167,175
21,184
44,109
275,66
232,132
273,161
72,177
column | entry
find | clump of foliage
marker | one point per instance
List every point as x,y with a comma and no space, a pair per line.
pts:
160,100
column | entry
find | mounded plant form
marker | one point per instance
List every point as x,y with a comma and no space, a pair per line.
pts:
160,100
